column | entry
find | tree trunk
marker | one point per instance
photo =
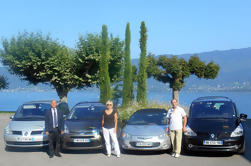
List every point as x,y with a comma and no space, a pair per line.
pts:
62,94
176,95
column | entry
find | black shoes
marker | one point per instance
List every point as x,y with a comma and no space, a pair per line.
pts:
58,155
51,156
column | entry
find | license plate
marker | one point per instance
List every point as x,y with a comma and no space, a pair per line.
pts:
207,142
24,139
81,140
143,144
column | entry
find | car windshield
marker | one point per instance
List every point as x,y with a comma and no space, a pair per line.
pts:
212,109
86,113
30,112
148,118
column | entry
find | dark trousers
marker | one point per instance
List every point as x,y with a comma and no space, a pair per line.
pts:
54,141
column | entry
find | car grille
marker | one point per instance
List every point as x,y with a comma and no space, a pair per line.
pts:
217,135
27,143
154,144
17,132
36,132
88,136
89,144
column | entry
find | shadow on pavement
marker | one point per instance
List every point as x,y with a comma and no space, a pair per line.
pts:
133,152
87,151
24,150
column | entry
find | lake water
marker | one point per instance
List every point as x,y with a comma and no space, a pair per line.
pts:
9,101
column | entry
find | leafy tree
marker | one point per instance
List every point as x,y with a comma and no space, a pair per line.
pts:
104,78
40,59
174,70
88,56
3,83
142,75
128,78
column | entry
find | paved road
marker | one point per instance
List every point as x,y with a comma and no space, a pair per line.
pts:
91,158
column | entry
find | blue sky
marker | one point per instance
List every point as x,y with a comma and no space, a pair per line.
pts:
174,26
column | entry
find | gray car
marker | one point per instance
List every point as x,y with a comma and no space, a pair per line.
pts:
26,128
145,130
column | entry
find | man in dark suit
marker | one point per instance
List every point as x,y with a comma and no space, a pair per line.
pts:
54,126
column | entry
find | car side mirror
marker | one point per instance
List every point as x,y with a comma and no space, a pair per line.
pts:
11,117
243,116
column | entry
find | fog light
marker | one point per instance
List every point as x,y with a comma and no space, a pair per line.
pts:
190,146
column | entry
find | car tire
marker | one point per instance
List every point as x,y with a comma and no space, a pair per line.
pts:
242,150
8,148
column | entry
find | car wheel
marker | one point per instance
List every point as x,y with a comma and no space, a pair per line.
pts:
124,151
242,150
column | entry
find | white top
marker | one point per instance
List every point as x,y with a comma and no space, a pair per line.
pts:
175,118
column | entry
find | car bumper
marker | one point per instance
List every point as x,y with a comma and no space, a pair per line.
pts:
25,141
94,142
154,144
233,144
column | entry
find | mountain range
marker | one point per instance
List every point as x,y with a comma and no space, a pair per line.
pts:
234,74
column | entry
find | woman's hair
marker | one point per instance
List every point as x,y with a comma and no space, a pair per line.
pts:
109,102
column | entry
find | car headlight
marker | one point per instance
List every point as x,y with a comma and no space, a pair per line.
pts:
125,135
95,132
7,130
238,131
163,135
189,132
66,130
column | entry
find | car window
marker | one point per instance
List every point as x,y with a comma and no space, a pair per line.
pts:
86,113
31,111
212,109
147,118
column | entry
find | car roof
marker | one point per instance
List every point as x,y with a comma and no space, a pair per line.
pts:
212,98
38,101
87,103
151,110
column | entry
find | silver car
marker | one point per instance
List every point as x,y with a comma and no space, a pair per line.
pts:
145,130
26,128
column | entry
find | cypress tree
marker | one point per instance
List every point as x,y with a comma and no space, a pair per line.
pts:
104,79
142,75
127,80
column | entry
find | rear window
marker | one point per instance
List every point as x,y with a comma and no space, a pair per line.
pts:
212,109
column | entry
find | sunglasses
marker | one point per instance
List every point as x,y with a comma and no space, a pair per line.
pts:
108,104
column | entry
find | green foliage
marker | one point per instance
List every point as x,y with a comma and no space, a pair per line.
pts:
40,59
128,79
104,79
88,57
174,70
3,83
142,75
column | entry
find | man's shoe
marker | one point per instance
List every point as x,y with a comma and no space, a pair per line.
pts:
108,155
118,156
51,156
172,154
177,155
58,155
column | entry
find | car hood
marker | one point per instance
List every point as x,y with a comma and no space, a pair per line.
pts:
26,125
144,130
77,125
213,125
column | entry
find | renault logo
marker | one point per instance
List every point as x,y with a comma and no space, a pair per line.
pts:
26,133
212,135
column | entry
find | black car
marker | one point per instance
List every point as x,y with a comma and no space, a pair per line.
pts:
214,125
83,126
